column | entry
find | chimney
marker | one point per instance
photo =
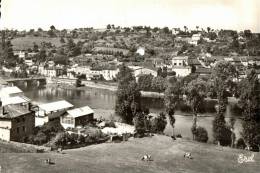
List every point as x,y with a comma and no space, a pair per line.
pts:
3,108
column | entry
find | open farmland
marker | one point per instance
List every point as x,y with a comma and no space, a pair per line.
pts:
24,43
167,157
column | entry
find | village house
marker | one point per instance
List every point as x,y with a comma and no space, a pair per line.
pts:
28,62
141,51
16,122
195,39
20,53
180,61
110,74
10,91
175,31
78,117
139,70
182,71
16,116
50,111
50,71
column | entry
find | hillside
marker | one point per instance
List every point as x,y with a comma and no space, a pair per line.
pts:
23,43
126,157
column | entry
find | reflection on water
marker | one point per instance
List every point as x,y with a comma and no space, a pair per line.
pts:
104,99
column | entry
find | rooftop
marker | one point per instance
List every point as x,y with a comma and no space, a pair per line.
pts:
78,112
14,100
14,111
55,106
6,91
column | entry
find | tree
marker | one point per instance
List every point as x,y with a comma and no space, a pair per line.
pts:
250,104
185,29
159,123
171,99
164,72
158,84
208,29
201,135
62,40
128,99
35,47
223,74
248,33
145,82
139,123
166,30
232,122
196,92
7,54
159,71
52,27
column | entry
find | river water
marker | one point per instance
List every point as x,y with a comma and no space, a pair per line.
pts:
105,99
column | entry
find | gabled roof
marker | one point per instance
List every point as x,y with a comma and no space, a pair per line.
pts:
14,100
55,106
78,112
203,71
180,58
13,111
6,91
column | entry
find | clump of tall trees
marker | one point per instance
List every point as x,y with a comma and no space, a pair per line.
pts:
250,104
128,101
196,93
222,75
171,99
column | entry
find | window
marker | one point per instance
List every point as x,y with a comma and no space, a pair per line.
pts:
23,119
175,63
18,120
17,129
67,120
23,129
179,63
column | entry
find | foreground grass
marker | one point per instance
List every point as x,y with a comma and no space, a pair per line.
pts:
126,157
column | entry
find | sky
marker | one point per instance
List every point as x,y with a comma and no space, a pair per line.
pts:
70,14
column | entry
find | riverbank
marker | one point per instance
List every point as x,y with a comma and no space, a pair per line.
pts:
167,156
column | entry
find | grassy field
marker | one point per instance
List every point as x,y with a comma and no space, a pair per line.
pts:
23,43
126,157
6,147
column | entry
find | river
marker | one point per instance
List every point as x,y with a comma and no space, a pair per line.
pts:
105,99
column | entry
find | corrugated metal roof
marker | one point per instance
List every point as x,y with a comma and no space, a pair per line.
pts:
6,91
55,106
13,100
80,111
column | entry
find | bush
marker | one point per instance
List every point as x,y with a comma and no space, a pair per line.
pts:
139,123
241,143
226,139
159,123
201,134
110,124
178,136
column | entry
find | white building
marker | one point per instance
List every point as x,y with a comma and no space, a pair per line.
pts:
180,61
195,39
20,53
78,117
50,111
110,74
28,62
182,71
141,51
138,70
